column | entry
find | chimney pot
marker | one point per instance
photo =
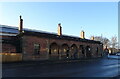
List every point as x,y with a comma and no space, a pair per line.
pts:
82,35
59,29
20,16
92,38
21,25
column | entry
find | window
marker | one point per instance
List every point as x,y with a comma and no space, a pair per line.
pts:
36,49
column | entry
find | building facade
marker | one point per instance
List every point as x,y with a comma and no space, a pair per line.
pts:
40,45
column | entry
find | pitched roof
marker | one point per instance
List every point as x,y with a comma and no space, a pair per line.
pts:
13,31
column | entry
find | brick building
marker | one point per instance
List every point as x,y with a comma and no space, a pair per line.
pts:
40,45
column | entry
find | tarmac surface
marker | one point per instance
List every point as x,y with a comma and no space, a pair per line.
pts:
99,67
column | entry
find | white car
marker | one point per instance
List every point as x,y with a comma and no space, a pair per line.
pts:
118,53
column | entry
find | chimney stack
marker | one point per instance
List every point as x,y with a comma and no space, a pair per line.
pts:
21,25
82,35
59,29
92,38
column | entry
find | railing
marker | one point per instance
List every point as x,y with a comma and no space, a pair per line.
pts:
10,57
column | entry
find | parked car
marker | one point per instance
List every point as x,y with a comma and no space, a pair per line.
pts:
116,56
118,53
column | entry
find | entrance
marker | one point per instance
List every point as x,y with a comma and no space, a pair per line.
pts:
88,52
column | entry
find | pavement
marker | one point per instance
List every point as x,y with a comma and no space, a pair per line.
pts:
28,63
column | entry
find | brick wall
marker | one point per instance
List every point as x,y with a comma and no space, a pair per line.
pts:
8,48
29,41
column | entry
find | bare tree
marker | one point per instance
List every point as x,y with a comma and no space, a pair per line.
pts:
104,40
114,42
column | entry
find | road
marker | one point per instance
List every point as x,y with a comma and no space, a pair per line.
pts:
102,67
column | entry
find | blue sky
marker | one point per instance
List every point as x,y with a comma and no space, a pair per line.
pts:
95,18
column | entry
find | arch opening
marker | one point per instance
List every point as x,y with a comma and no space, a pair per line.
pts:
88,51
97,51
82,51
74,51
64,51
54,51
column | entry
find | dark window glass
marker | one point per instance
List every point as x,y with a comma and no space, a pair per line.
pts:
36,48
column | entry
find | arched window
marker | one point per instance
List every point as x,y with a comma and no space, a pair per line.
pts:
54,49
97,49
82,49
74,51
88,51
65,51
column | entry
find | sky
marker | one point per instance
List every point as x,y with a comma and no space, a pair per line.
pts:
95,18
